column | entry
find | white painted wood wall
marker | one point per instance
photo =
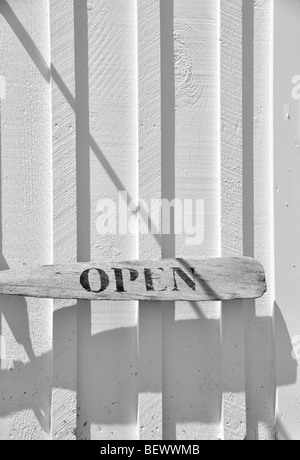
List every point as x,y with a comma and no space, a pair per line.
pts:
170,98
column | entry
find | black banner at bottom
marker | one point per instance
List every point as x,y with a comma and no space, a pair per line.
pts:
132,449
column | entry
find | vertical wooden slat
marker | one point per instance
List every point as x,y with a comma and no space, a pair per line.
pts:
83,429
26,224
246,216
107,332
64,402
149,147
287,215
191,334
233,330
257,99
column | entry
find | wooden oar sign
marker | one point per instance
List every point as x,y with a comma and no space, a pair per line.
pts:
166,279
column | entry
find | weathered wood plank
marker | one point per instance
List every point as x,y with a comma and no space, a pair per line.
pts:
26,219
166,279
64,401
150,413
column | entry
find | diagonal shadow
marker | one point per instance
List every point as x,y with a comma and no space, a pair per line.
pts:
31,48
204,284
24,37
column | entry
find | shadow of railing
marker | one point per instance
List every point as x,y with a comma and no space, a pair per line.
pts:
194,364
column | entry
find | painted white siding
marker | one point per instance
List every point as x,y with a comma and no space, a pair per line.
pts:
162,99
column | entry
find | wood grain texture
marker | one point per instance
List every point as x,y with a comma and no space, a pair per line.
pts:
64,401
258,215
287,216
150,416
191,335
26,221
166,279
233,321
146,98
107,337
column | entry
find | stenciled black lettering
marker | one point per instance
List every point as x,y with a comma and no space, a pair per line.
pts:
188,281
119,280
85,283
134,274
149,280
